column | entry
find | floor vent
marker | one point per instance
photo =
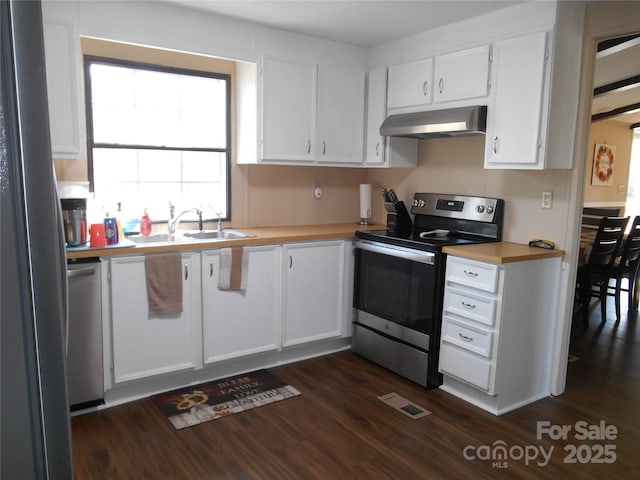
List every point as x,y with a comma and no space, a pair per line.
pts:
410,409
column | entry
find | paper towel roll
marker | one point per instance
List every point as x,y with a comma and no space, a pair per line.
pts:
365,203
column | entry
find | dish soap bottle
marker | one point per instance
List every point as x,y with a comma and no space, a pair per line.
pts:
145,224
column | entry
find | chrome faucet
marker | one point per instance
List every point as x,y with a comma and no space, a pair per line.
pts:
219,215
172,224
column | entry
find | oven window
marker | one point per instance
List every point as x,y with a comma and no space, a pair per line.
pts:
396,289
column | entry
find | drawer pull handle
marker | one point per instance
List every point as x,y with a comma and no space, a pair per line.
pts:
465,338
470,306
469,273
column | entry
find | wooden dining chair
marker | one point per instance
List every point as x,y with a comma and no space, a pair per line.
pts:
593,276
628,266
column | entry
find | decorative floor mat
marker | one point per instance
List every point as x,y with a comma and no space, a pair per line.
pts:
196,404
410,409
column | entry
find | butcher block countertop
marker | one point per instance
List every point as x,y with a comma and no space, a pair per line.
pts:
262,236
501,252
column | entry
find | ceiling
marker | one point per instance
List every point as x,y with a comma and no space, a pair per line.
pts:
368,23
617,80
365,23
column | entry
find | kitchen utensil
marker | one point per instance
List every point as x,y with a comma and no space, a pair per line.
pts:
438,232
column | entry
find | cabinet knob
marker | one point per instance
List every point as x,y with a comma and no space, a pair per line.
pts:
290,261
377,149
324,147
425,88
470,306
186,271
495,145
211,269
441,85
469,273
308,146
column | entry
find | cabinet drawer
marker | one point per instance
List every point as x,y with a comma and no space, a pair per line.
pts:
467,337
464,366
480,275
475,307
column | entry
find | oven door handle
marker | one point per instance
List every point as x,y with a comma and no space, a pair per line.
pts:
395,251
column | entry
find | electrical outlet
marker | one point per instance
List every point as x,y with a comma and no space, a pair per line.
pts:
547,199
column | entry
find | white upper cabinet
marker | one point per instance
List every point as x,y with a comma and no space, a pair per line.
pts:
376,112
63,66
383,151
410,84
462,75
288,111
310,114
340,115
516,118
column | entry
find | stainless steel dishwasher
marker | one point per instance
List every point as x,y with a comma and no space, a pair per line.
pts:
85,373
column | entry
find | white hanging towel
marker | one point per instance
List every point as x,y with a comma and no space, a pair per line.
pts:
234,267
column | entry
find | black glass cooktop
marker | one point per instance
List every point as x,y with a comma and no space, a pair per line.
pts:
430,243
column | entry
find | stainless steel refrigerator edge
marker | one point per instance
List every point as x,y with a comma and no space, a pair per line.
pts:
35,426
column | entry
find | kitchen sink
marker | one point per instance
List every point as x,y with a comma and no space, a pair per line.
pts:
189,236
216,235
157,238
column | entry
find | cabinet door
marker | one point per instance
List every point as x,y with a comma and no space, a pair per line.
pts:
62,67
376,113
383,151
238,323
288,117
340,115
144,346
462,75
410,84
514,121
313,291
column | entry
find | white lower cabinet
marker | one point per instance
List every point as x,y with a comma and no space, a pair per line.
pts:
287,302
239,323
496,342
144,346
313,291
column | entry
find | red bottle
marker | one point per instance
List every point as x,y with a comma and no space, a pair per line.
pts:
145,224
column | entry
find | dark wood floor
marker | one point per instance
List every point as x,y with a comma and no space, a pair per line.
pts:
338,429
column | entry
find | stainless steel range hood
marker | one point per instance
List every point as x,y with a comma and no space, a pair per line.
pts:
437,123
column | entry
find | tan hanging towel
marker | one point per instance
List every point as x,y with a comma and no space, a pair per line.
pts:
164,283
234,265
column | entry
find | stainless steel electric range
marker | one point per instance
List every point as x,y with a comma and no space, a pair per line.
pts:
399,278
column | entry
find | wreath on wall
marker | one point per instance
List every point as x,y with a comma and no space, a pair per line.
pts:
603,158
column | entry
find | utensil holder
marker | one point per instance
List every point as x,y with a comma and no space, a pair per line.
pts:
398,219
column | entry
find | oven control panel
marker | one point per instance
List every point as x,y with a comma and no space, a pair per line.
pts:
480,209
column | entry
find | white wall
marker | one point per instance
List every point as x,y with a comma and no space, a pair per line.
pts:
177,27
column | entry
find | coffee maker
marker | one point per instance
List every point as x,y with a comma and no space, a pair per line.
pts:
74,216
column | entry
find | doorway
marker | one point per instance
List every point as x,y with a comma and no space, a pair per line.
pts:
632,207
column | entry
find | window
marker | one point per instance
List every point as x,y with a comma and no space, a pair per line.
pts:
158,135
